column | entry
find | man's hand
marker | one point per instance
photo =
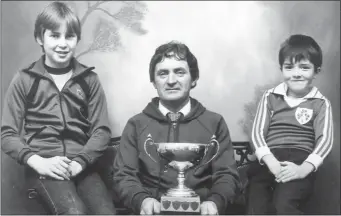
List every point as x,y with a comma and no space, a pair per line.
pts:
150,206
75,168
291,171
208,208
55,167
273,164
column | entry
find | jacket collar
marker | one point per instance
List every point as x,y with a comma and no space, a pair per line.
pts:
282,88
38,67
184,110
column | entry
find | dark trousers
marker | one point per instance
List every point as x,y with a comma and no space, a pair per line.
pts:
84,194
266,196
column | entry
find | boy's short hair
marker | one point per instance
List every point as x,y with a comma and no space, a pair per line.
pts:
53,16
177,50
298,47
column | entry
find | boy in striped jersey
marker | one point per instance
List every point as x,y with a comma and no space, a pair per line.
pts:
292,133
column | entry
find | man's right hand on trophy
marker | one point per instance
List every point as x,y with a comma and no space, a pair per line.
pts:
150,206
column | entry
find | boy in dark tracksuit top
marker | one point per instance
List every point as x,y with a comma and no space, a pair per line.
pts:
139,180
64,110
292,133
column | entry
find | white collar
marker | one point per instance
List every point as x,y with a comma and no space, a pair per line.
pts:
282,90
185,109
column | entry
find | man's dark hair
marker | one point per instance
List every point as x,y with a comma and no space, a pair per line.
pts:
177,50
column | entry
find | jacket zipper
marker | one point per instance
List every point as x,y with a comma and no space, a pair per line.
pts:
61,110
64,124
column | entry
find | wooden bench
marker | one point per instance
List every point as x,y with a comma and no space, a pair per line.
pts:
243,155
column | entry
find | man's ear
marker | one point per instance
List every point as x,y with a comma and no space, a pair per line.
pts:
154,84
194,83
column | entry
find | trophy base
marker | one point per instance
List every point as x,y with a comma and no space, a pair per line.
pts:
171,205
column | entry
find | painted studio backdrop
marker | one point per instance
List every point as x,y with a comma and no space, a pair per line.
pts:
236,44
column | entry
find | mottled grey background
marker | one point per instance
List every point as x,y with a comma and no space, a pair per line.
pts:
236,44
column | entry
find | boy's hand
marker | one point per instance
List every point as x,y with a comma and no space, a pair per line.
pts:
55,167
208,208
291,171
273,164
150,206
75,168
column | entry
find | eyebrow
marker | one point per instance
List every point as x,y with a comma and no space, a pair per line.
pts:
289,63
162,70
179,68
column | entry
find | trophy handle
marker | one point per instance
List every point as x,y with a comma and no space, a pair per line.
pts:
213,142
149,141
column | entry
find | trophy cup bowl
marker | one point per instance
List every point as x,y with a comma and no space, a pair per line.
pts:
181,156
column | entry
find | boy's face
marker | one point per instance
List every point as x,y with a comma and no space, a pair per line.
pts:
173,80
59,46
298,77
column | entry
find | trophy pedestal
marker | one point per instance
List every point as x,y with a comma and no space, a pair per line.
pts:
170,204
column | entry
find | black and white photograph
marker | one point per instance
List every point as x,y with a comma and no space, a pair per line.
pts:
170,107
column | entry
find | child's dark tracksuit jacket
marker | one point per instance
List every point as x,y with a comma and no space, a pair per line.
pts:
70,122
137,176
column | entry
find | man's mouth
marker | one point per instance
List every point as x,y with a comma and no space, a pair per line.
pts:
297,80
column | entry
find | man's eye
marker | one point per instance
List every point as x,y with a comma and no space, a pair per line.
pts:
54,36
181,72
162,73
305,68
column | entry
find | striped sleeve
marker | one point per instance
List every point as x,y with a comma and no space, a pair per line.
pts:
260,128
323,127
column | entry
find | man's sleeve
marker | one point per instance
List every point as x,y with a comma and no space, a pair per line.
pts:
126,169
324,132
12,121
225,177
100,132
260,128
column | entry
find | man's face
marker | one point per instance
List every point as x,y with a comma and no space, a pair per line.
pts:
59,46
173,80
298,77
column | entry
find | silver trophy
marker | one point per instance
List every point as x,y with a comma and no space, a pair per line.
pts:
181,156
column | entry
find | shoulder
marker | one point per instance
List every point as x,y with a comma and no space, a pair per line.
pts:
23,77
88,72
212,120
137,123
212,116
139,119
320,101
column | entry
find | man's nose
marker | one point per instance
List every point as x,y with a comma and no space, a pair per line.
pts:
171,79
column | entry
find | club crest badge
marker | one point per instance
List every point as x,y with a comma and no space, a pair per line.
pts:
80,93
303,115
